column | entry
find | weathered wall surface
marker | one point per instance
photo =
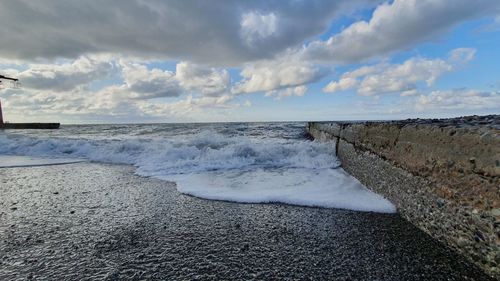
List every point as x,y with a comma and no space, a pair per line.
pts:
443,176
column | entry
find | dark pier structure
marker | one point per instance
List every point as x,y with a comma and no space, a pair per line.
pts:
22,125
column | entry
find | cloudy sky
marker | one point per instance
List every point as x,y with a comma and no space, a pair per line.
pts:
222,60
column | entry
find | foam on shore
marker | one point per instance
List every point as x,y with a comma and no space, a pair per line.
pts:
329,188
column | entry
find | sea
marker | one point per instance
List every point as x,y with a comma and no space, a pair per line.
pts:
238,162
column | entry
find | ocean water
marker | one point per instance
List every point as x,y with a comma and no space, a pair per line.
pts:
241,162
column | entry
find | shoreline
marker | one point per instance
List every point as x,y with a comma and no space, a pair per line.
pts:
101,221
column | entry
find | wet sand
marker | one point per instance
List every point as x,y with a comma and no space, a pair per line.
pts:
90,221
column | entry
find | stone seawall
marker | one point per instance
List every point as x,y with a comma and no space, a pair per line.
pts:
442,175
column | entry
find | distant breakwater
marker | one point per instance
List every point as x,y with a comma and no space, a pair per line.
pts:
443,175
36,126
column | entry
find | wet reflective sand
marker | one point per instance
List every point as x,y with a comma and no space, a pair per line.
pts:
100,222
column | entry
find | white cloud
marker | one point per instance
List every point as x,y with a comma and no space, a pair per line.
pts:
399,78
207,81
208,88
281,73
461,55
344,83
256,26
22,102
434,104
143,83
63,89
66,76
396,26
462,99
298,91
190,106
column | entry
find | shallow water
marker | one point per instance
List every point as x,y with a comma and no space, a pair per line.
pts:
11,161
243,162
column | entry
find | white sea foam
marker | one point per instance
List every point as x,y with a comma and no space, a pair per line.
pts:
224,164
330,188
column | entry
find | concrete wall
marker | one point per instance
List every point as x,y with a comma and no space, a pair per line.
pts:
443,176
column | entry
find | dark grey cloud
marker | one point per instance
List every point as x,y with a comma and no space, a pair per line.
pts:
155,88
220,32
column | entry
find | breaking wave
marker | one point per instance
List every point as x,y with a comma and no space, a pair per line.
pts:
205,151
233,163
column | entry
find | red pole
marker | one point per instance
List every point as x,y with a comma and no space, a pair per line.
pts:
1,116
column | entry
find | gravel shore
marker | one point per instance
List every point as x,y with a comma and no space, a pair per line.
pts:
89,221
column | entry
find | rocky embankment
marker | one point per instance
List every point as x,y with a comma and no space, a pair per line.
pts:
442,174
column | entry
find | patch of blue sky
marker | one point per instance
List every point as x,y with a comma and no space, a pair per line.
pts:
163,65
99,84
468,35
18,67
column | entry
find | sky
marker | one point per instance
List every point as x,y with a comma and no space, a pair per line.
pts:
134,61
